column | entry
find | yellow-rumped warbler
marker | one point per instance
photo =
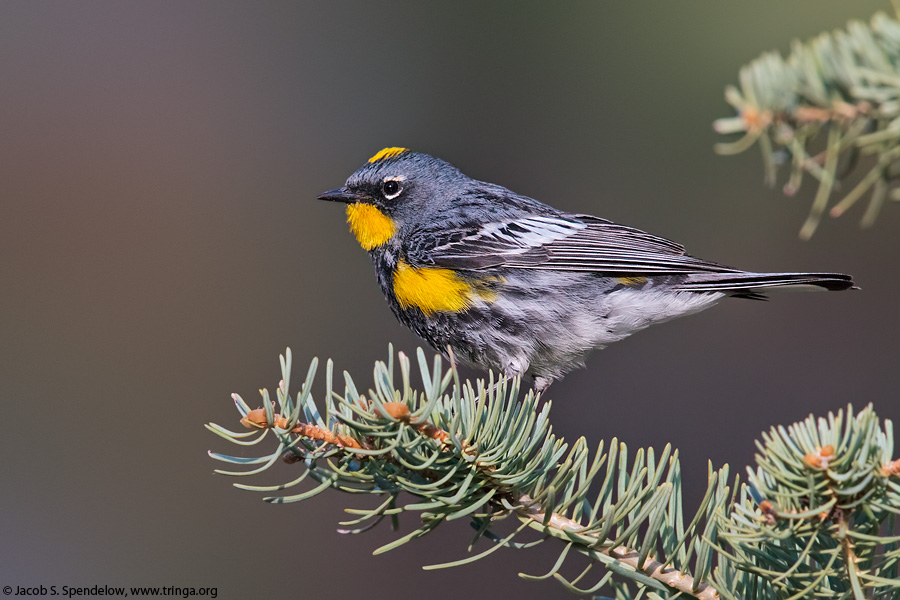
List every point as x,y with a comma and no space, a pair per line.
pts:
514,285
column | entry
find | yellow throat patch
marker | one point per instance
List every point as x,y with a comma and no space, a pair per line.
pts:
431,290
387,153
371,227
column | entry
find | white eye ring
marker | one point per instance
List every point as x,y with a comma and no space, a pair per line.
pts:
391,187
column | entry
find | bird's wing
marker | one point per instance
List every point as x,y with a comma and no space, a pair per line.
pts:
562,242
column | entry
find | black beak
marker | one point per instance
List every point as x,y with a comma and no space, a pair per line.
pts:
340,195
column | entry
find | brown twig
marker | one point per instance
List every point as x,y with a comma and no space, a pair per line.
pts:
891,469
400,411
256,419
820,458
651,568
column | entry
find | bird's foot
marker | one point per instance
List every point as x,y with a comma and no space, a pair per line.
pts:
541,384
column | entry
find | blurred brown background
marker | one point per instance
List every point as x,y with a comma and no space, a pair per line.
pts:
160,245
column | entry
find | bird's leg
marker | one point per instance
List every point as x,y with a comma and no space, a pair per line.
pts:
541,384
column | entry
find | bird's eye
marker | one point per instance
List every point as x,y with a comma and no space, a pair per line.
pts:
391,189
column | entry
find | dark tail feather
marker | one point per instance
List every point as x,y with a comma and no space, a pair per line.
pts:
748,285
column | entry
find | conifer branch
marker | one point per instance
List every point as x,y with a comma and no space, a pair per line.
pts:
557,525
840,90
817,516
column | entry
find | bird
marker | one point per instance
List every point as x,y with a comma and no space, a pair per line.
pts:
510,284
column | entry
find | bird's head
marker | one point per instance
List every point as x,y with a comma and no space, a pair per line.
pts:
394,188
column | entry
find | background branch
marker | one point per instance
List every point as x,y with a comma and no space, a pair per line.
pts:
842,87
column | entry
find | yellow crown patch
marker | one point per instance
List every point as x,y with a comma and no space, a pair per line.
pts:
387,153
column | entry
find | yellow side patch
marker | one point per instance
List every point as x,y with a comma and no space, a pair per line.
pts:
431,290
632,280
387,153
371,227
